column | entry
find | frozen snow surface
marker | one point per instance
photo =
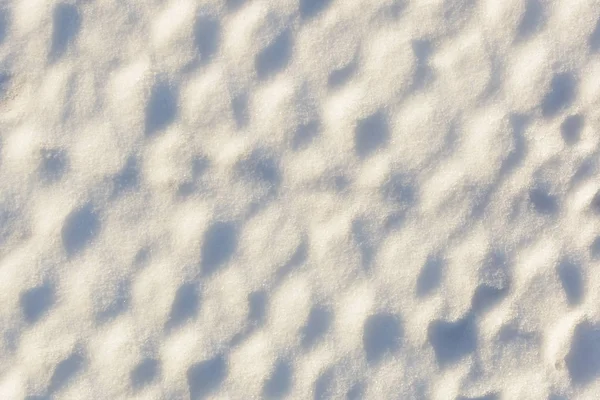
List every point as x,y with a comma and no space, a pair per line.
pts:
302,199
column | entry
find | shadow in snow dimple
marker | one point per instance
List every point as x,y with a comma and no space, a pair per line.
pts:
295,261
362,238
65,371
452,340
533,19
340,76
280,381
257,304
117,305
319,320
543,202
205,377
371,134
144,373
206,37
356,392
382,334
161,108
486,297
494,285
127,178
261,168
305,134
260,171
423,72
234,4
142,257
5,21
239,105
586,170
583,359
53,165
5,79
66,23
275,57
200,165
510,337
311,8
561,94
400,189
594,40
457,11
571,279
595,203
185,305
490,396
430,276
218,246
36,301
557,397
595,249
518,123
570,129
80,227
323,385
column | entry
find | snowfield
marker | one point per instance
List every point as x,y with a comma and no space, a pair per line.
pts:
301,199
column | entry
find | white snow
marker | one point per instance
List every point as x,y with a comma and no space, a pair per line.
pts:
239,199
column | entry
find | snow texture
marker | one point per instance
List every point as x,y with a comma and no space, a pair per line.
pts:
302,199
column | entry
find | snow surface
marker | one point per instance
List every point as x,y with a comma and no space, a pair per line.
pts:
303,199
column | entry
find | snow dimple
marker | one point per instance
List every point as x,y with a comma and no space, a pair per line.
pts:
128,178
532,19
594,39
323,386
452,340
311,8
571,127
572,281
316,326
207,32
219,245
430,276
583,359
36,302
144,373
340,76
279,383
305,134
371,134
595,249
490,396
275,56
185,305
66,371
543,202
560,95
495,282
239,104
66,23
205,377
54,164
382,335
162,107
257,303
80,228
5,23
